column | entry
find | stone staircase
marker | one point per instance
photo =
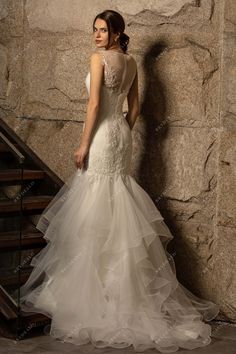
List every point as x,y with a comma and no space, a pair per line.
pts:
27,186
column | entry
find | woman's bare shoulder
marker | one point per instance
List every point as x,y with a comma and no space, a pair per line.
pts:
97,55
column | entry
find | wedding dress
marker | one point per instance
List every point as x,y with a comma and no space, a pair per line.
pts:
105,275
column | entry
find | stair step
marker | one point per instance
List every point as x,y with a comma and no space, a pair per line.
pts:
29,324
5,148
15,175
10,276
9,241
8,305
34,202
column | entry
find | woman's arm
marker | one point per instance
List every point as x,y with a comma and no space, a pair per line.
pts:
96,78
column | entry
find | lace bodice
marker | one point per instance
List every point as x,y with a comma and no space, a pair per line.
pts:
110,151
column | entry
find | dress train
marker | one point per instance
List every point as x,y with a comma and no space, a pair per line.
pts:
106,276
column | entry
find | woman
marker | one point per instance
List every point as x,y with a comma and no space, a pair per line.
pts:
108,277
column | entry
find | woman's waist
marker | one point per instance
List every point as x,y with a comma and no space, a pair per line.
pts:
113,113
107,118
115,126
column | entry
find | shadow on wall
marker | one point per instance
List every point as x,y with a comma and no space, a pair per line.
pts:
155,126
152,167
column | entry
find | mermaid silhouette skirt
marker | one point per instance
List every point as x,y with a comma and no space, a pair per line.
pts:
105,275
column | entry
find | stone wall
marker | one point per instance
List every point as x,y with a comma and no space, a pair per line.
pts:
185,138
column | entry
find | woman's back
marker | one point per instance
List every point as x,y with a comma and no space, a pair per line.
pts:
119,72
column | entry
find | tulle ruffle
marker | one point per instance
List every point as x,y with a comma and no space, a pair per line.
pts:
105,275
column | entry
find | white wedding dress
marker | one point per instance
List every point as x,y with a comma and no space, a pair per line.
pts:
105,275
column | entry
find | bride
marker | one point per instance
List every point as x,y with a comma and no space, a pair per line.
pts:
105,275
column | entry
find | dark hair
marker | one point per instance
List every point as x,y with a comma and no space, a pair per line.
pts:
115,23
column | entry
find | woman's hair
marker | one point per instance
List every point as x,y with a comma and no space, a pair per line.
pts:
115,23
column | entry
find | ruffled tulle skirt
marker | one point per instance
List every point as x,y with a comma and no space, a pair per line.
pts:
105,275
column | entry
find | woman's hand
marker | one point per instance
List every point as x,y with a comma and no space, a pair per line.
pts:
80,155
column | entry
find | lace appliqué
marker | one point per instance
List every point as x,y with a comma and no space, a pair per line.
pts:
116,159
114,132
110,75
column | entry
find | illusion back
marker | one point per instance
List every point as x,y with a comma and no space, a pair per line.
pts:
111,143
119,73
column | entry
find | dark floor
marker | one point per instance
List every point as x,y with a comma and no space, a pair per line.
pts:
223,342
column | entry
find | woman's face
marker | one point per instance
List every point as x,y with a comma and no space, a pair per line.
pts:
100,33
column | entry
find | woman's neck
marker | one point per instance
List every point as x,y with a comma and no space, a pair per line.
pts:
116,48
